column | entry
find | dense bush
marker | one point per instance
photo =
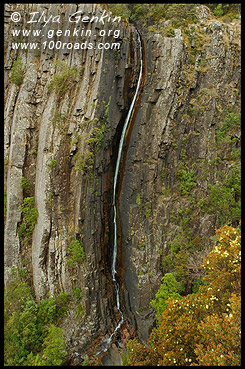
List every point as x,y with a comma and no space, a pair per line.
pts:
203,328
26,185
30,336
223,198
186,180
168,288
76,253
29,219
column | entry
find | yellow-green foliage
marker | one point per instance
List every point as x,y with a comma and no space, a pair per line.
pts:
17,72
76,253
26,185
29,219
202,328
63,79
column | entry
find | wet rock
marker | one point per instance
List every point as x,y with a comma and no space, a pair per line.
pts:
112,357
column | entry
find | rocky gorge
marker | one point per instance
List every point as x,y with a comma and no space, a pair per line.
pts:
63,124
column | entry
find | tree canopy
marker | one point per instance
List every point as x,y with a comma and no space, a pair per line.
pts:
202,328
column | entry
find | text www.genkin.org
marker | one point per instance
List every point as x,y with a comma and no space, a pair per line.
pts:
59,45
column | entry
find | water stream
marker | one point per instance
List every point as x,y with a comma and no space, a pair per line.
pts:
105,345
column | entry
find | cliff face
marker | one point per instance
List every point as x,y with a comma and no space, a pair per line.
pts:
175,132
64,142
46,137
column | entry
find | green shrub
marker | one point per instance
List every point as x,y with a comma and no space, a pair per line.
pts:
26,185
85,162
59,120
181,14
18,72
139,12
218,11
221,202
224,198
30,337
86,361
29,219
231,123
54,352
62,302
64,79
53,164
120,10
146,208
47,310
79,311
186,181
168,288
76,253
233,181
97,133
77,293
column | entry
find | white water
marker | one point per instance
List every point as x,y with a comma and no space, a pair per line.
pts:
106,344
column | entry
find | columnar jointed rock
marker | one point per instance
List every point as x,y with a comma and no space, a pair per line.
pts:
64,142
46,135
183,98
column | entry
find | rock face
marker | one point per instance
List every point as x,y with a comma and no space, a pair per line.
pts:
46,142
174,128
64,142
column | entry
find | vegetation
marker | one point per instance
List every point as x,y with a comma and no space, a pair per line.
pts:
78,294
228,10
146,208
138,202
186,180
228,126
180,14
26,185
59,121
202,328
98,131
76,253
53,164
18,72
209,187
29,219
31,334
152,13
85,162
64,79
169,288
223,198
218,11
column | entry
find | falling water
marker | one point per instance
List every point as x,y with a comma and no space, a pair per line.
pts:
106,344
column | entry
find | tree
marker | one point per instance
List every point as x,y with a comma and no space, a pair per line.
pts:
168,288
54,352
202,328
30,336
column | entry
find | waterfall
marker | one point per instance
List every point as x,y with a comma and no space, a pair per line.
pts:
106,344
